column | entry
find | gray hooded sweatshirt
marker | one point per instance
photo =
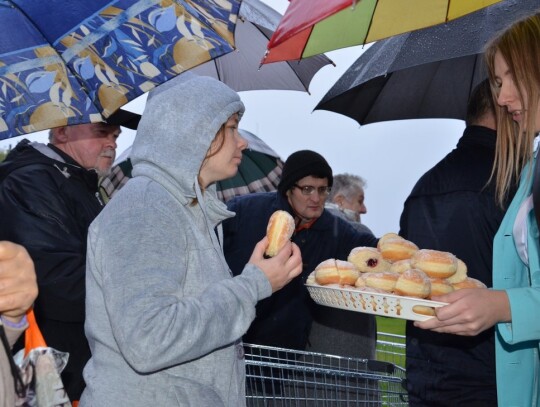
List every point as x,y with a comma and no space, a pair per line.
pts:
164,316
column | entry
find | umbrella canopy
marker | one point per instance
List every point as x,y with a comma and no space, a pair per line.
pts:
311,27
424,74
242,70
259,171
70,62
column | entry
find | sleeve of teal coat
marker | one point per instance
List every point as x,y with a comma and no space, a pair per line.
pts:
524,306
522,285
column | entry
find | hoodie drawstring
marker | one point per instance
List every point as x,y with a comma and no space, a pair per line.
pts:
210,229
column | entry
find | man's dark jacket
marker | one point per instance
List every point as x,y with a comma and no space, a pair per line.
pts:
47,206
451,209
284,319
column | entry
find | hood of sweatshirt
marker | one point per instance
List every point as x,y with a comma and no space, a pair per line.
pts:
177,127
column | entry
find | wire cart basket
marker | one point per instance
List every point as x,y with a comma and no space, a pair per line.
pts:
277,377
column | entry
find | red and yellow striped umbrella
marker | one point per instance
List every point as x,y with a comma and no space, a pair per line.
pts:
311,27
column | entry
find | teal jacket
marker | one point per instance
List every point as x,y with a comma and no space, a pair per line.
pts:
516,346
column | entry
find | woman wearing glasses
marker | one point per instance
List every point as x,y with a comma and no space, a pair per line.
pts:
285,318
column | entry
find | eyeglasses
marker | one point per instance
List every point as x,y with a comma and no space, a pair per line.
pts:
309,189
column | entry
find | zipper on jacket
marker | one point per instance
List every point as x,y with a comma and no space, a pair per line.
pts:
98,197
63,171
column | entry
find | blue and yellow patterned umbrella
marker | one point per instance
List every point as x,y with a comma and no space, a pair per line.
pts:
65,62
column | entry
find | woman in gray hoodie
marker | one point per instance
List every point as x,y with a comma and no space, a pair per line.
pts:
164,316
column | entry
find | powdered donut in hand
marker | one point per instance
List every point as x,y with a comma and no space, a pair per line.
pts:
279,230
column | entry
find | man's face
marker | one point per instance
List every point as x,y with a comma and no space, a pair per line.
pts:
93,145
308,207
355,203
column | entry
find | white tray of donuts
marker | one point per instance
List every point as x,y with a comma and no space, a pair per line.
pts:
396,279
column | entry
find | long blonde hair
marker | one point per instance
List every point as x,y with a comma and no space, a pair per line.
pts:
519,45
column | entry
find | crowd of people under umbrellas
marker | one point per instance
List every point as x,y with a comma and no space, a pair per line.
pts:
152,293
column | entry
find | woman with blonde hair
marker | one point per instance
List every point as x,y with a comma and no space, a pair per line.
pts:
513,60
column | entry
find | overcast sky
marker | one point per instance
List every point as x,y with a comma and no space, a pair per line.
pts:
391,156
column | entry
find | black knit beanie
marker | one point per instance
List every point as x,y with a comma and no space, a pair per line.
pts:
304,163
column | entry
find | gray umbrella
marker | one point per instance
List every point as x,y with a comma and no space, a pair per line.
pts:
427,73
242,69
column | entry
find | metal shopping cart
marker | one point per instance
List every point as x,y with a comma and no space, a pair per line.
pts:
277,377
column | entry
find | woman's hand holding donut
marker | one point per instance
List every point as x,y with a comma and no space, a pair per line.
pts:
281,268
470,311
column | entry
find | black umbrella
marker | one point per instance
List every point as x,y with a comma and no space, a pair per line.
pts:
427,73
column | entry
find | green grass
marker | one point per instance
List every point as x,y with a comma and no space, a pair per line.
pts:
391,349
391,325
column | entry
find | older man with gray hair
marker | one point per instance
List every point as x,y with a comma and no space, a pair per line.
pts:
346,200
49,196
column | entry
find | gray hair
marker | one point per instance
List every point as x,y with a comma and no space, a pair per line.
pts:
347,185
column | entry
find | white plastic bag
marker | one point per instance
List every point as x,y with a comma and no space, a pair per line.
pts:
40,368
